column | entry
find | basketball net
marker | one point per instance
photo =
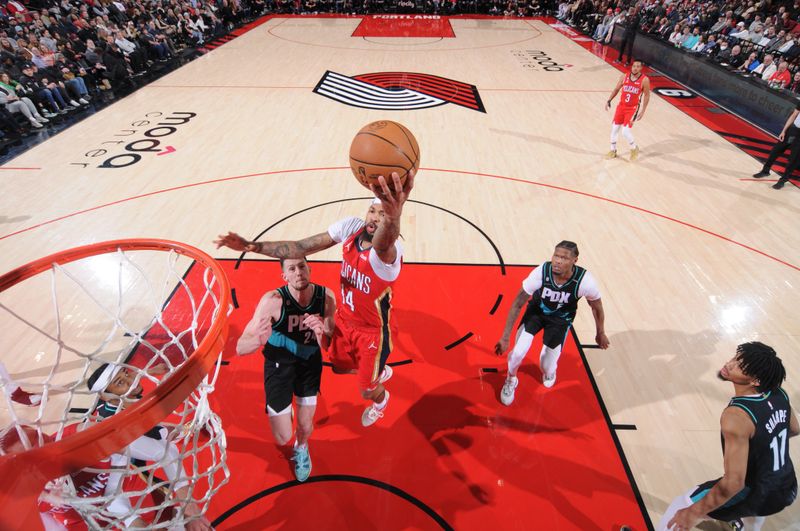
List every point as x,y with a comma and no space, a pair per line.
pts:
151,310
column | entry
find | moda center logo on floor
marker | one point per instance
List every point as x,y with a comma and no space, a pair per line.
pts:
398,91
136,140
538,60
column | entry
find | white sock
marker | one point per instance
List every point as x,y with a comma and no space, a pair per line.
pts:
753,523
382,404
296,445
614,136
628,134
520,350
548,360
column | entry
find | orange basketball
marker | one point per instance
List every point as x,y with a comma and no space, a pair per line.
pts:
381,148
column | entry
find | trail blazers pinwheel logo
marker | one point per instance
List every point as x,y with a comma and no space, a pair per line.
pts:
398,91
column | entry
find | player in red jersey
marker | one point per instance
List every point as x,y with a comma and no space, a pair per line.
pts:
371,261
635,88
102,480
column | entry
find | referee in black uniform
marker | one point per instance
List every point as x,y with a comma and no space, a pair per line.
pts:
632,22
788,139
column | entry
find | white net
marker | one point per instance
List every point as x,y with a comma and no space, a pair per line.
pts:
92,337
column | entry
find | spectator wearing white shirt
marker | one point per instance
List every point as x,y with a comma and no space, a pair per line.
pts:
133,55
676,36
767,38
740,32
767,68
787,44
700,45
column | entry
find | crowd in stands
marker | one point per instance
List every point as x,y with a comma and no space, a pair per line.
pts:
757,38
58,55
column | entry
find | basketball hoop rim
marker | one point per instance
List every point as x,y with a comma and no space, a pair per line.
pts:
23,475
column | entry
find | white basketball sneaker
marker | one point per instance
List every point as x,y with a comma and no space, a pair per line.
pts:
509,387
549,381
372,413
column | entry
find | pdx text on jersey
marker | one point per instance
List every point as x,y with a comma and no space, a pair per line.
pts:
355,278
559,297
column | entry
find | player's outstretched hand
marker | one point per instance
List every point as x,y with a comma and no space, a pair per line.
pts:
501,346
235,242
393,198
602,341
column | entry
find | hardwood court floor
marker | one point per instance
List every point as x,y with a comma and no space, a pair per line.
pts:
691,260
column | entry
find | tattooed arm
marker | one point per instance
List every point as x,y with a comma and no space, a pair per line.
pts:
285,249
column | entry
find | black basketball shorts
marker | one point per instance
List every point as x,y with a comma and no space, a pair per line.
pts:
282,380
747,502
555,328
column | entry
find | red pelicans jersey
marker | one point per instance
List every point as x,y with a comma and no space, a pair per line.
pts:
366,281
93,482
631,91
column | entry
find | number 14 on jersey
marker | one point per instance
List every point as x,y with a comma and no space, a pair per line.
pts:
347,298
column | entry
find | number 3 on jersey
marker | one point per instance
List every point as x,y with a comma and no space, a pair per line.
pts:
627,97
347,298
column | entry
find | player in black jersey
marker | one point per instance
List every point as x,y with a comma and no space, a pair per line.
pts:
759,478
552,291
119,386
290,324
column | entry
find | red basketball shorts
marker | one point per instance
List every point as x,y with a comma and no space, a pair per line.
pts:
363,349
625,116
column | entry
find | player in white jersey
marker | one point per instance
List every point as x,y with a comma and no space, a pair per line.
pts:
552,291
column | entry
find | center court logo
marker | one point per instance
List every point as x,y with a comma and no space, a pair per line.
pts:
398,91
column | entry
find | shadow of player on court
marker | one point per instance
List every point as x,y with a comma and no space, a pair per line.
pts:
474,440
472,443
535,139
667,352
